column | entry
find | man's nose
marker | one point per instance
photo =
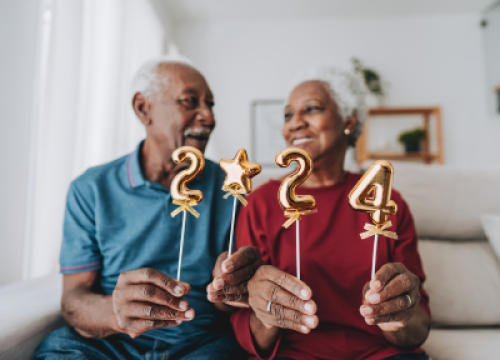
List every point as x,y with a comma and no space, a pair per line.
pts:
205,116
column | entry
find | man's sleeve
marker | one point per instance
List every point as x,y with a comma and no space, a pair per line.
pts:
250,231
406,249
79,249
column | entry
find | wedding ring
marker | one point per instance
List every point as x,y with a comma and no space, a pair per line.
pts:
269,307
409,300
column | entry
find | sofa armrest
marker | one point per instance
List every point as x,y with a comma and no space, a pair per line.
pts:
28,312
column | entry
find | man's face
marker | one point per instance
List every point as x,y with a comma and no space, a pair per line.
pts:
182,113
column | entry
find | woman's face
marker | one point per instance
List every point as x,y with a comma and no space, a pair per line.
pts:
312,122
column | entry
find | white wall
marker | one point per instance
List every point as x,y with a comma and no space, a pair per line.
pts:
18,21
429,60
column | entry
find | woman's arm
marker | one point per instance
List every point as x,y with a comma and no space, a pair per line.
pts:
264,337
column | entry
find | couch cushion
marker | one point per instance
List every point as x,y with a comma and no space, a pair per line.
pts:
463,282
463,344
491,226
447,203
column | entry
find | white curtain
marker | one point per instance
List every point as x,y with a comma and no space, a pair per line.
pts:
86,117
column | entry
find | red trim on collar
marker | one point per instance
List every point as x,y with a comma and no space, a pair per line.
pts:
129,173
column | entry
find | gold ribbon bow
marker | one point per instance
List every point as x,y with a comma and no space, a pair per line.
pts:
377,230
295,215
236,193
185,205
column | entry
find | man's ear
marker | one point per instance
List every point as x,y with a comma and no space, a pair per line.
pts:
142,108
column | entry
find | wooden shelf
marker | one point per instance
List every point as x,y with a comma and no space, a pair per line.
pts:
363,154
400,156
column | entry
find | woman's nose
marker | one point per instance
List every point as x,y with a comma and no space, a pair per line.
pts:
297,122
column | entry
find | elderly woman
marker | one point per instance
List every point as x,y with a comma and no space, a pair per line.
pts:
333,313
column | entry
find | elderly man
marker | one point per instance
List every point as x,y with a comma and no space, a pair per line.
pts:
120,245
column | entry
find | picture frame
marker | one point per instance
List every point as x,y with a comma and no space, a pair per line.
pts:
266,124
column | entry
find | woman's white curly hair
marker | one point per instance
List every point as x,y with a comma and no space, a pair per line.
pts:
346,90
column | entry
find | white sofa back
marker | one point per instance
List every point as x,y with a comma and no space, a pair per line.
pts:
447,203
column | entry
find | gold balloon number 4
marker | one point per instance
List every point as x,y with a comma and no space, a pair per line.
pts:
178,188
288,199
372,193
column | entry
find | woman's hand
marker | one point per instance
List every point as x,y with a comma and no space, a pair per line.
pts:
391,298
281,300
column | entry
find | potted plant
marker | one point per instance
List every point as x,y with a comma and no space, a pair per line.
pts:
412,139
372,81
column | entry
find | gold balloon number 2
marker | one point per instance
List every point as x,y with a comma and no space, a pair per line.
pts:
372,193
178,188
288,199
293,204
181,195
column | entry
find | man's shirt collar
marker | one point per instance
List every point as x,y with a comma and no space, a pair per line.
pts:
134,171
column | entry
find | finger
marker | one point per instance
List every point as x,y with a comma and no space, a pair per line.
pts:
244,256
277,295
390,318
153,294
146,325
228,298
237,304
142,310
269,319
393,326
365,293
288,282
394,305
235,277
231,289
218,264
155,277
402,283
281,312
385,274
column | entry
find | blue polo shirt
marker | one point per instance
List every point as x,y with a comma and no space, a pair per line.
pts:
116,220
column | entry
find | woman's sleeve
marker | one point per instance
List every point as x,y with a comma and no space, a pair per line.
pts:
250,231
406,249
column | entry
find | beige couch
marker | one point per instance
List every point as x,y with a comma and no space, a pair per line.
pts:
462,268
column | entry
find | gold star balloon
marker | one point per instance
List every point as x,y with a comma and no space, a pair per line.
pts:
239,171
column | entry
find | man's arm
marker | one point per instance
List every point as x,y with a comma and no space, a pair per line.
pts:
143,300
89,313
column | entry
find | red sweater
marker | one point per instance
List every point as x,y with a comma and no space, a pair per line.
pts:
335,263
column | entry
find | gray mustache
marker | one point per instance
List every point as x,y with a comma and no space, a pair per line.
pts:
198,131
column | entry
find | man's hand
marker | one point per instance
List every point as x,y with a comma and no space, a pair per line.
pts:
231,276
147,299
291,304
391,298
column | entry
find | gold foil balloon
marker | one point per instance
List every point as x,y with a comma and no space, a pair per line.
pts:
181,195
239,172
288,199
377,181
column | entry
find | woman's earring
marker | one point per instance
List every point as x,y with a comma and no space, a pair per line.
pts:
347,131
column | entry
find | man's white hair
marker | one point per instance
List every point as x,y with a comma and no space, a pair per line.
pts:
346,90
147,80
